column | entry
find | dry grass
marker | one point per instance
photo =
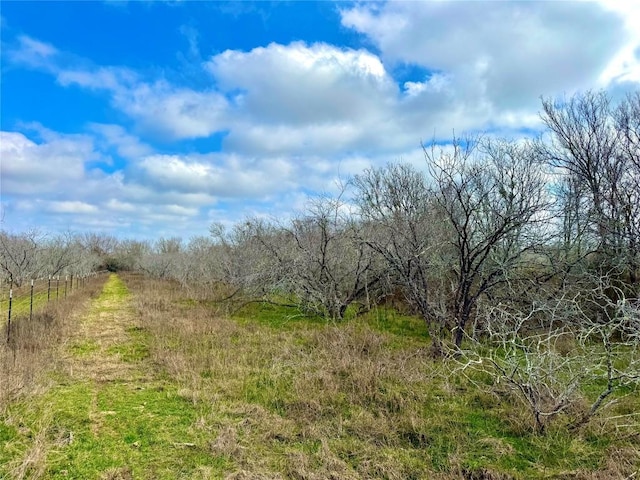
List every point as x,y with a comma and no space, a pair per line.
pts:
168,385
318,401
33,351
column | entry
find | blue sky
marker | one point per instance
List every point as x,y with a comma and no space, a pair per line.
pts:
147,119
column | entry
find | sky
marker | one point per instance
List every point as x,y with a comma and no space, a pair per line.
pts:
147,119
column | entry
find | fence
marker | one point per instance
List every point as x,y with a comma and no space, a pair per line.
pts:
22,300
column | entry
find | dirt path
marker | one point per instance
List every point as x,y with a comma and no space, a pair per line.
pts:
110,414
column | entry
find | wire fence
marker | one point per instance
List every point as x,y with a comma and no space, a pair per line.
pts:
22,301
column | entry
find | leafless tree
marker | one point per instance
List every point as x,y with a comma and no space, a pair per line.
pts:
249,257
402,227
165,259
60,255
128,254
493,197
318,257
627,122
595,145
20,256
547,355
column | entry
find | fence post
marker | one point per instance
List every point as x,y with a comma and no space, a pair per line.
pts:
71,284
66,279
49,290
57,286
31,302
9,319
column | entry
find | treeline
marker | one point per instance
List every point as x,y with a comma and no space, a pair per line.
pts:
34,255
521,257
487,222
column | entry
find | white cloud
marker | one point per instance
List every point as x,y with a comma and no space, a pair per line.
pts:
101,78
47,179
126,145
301,84
227,176
74,207
625,65
36,168
115,205
507,53
172,111
300,117
33,53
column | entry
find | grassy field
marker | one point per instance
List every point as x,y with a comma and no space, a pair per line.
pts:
148,383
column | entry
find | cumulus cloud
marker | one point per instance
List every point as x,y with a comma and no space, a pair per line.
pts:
510,53
172,111
74,207
47,172
126,145
29,167
488,66
226,176
301,117
302,84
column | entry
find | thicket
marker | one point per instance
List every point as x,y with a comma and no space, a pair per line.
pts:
522,257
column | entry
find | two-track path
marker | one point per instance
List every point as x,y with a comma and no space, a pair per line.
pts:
109,414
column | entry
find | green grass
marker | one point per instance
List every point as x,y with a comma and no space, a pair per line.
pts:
110,299
135,349
148,431
278,317
135,427
454,424
403,327
84,348
22,304
271,393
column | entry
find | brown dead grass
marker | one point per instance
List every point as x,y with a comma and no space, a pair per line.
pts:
34,350
326,401
103,327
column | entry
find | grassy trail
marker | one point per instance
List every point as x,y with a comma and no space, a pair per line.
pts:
108,415
155,384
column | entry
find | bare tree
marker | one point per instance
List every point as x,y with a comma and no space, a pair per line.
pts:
60,254
319,259
249,257
627,122
547,355
165,259
493,198
596,146
330,267
19,256
397,208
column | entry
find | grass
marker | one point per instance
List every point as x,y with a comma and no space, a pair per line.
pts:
106,417
43,296
157,386
148,432
361,399
31,354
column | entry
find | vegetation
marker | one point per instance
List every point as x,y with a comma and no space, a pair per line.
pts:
156,385
476,319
